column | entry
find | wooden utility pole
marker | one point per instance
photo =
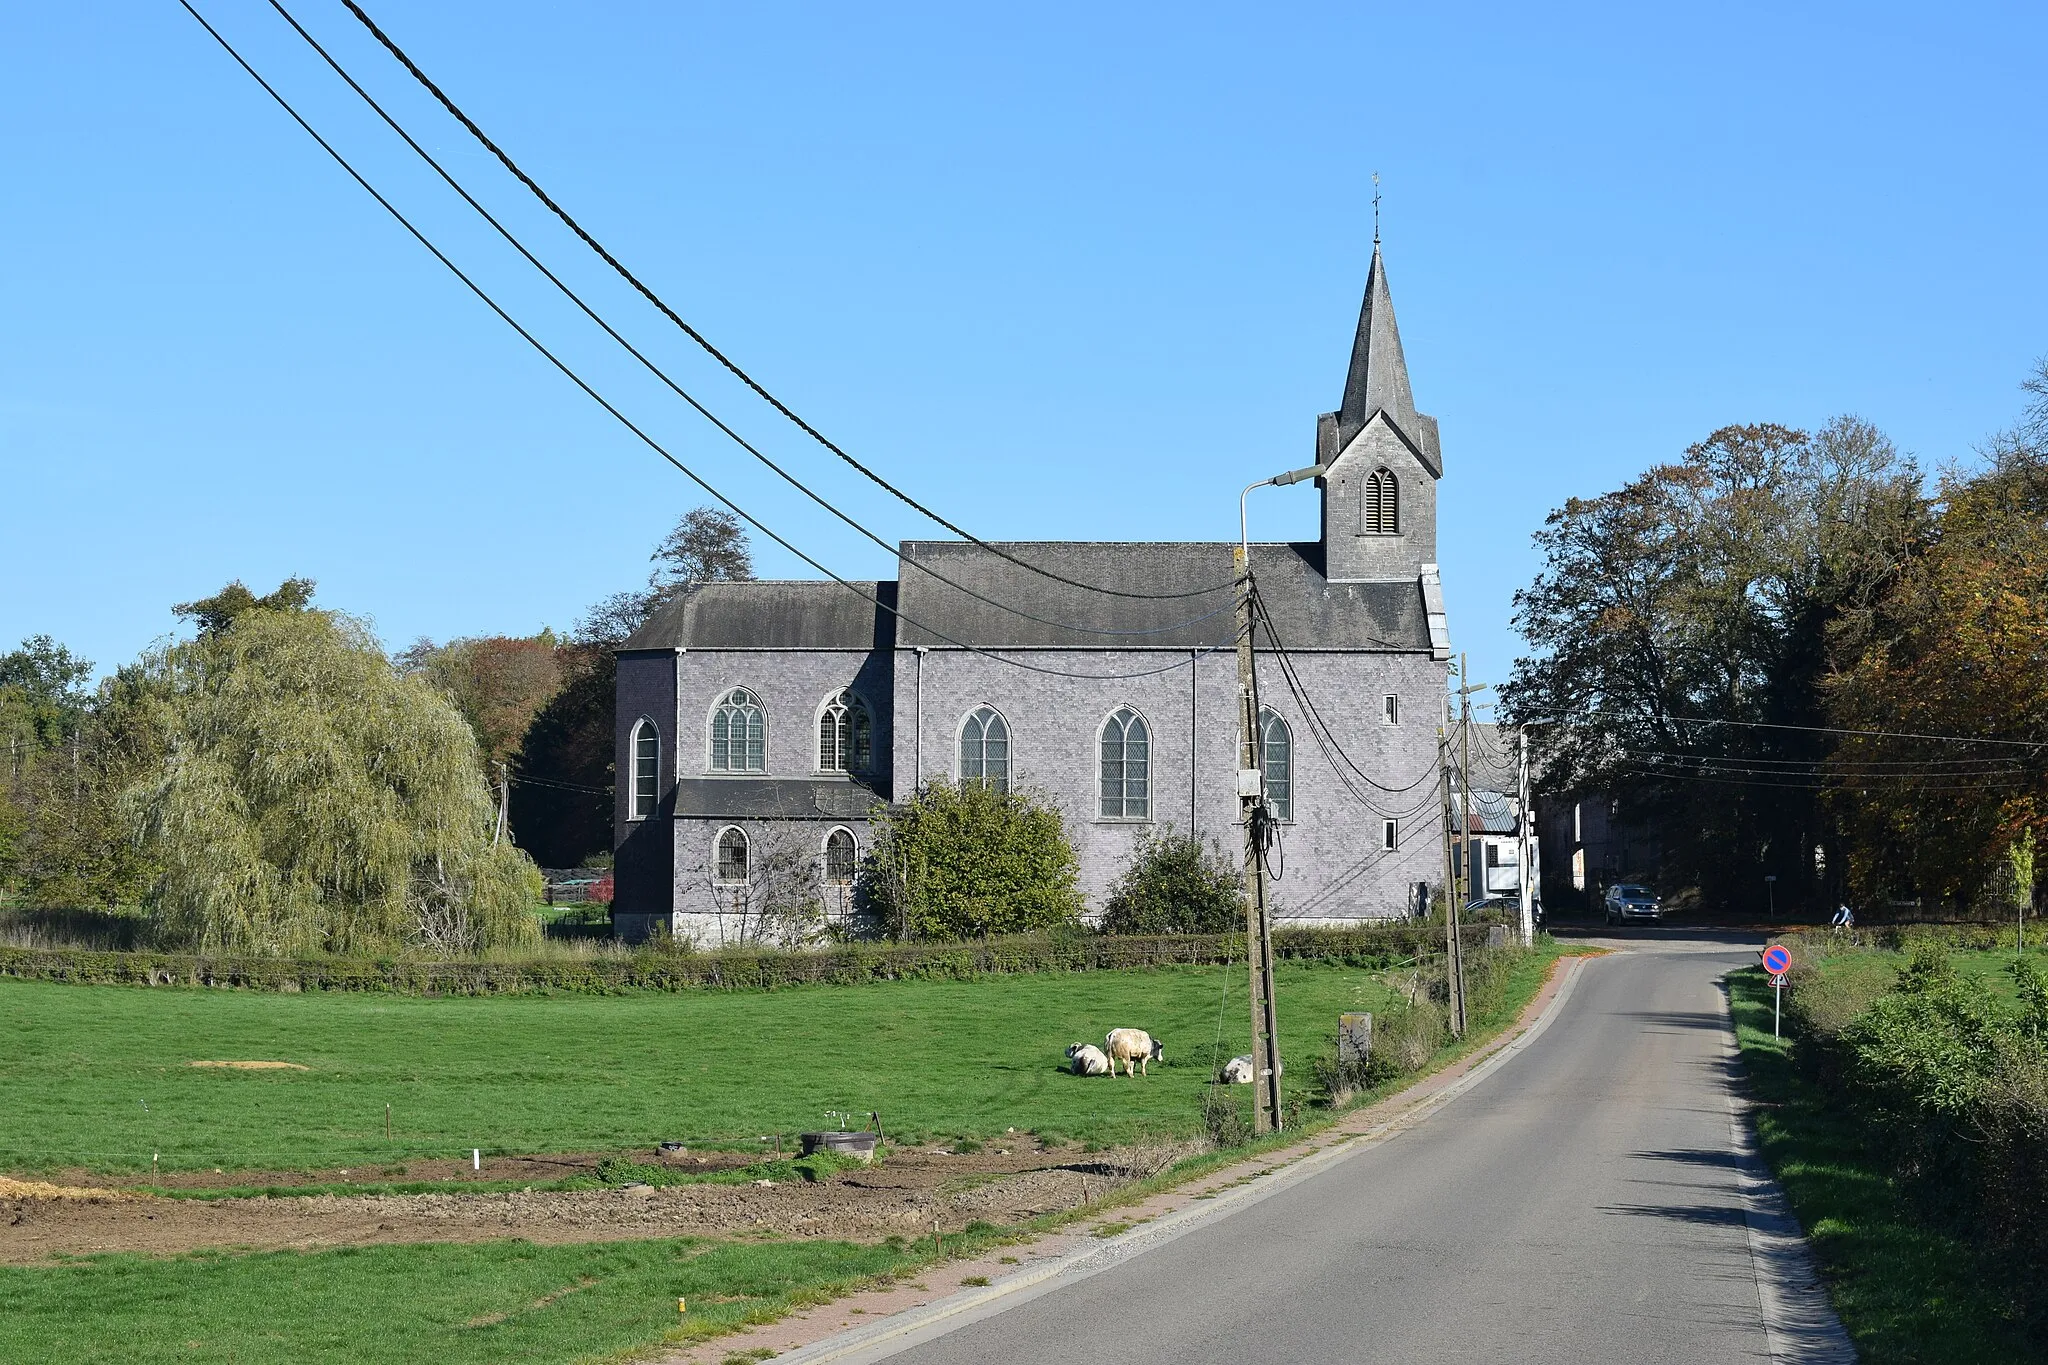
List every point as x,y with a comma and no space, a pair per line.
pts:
1454,955
1525,841
1258,923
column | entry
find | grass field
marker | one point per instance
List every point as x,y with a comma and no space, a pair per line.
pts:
1904,1291
493,1301
99,1077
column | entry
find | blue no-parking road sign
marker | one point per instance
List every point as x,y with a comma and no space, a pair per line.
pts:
1777,959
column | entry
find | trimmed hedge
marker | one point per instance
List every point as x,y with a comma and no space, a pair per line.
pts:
728,969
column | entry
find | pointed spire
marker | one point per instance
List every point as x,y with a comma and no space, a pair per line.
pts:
1379,374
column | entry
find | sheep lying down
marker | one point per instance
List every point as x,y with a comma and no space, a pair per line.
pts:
1238,1070
1086,1059
1134,1048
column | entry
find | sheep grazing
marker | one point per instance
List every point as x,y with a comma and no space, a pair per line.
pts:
1134,1048
1238,1070
1086,1059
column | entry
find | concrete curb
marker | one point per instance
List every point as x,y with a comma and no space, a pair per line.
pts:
899,1332
1799,1321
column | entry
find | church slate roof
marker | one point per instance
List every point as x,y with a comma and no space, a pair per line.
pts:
1308,613
785,614
764,798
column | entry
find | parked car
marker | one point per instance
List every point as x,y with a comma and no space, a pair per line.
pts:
1506,907
1631,903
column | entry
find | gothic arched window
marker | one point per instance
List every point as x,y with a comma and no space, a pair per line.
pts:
646,770
1379,512
1277,754
1126,771
845,735
985,748
739,734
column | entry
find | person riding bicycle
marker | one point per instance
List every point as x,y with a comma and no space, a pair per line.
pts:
1845,918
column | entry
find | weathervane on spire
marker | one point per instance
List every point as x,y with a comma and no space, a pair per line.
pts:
1375,208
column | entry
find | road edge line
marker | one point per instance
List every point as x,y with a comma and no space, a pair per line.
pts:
1799,1319
914,1326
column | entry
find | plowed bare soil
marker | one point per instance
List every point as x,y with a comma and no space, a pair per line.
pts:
910,1194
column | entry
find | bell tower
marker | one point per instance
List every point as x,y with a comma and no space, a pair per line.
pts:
1381,457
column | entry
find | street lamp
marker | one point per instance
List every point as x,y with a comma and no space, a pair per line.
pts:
1251,799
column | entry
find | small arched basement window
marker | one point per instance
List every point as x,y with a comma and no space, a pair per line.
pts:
842,856
732,855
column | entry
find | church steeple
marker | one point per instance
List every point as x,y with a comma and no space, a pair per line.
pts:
1381,457
1378,381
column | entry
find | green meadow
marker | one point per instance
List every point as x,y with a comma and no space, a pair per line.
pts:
99,1077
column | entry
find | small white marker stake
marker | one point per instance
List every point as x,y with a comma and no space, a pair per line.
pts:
476,1158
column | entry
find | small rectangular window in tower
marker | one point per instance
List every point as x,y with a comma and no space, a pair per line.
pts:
1390,709
1390,835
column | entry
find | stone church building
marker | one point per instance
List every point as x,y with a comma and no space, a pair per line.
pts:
760,723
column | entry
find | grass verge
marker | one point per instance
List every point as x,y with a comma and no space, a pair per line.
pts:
1905,1292
438,1302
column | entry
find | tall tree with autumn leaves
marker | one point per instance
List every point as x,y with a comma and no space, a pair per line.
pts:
1948,674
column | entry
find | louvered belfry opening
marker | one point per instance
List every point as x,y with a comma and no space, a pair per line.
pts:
1380,509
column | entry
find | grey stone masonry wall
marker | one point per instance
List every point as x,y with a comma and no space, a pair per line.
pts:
793,686
1335,867
1351,554
643,851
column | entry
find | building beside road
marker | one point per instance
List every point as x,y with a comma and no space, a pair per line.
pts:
761,723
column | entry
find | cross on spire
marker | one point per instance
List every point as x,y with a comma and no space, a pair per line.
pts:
1375,208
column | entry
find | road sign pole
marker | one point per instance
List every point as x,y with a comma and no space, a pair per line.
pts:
1777,960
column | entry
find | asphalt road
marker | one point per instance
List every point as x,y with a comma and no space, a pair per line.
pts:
1585,1202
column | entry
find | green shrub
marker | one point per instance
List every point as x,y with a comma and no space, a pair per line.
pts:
967,860
1175,885
666,969
1954,1093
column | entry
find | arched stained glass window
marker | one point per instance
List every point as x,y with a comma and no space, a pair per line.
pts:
985,748
739,734
1277,754
732,855
1126,772
845,735
1379,511
646,770
842,855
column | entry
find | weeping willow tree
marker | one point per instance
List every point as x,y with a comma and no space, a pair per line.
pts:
313,799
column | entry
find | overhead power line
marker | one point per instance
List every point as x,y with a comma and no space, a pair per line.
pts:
627,422
792,480
504,159
1807,729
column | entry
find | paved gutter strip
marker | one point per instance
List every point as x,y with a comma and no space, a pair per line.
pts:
1267,1176
1800,1324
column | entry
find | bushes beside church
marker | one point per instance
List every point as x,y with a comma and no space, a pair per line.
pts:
1175,885
966,860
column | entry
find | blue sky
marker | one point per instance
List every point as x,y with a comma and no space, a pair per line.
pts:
1080,273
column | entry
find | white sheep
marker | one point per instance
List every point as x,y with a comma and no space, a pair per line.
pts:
1134,1048
1238,1070
1086,1059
